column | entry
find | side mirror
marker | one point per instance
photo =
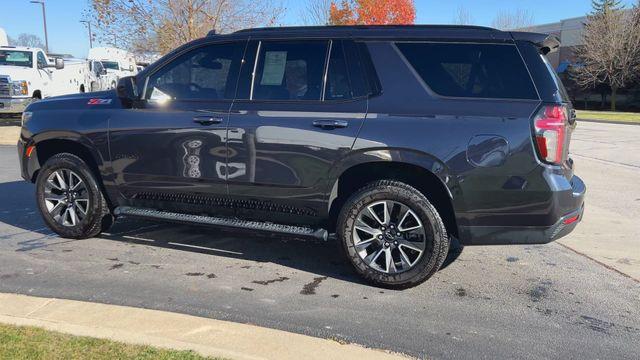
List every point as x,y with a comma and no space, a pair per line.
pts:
103,72
59,64
127,90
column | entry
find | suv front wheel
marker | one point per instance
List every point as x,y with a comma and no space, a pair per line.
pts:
392,234
70,199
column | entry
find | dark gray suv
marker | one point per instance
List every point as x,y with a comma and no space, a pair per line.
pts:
398,139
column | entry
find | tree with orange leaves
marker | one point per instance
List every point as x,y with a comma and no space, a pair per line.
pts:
372,12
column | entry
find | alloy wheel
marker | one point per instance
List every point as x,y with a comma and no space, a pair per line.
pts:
66,197
389,237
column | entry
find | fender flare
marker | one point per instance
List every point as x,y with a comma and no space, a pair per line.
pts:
385,155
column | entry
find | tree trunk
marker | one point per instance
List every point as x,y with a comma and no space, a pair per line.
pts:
614,91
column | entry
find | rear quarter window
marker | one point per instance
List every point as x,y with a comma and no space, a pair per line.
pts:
470,70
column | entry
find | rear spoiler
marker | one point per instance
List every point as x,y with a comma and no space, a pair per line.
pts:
545,42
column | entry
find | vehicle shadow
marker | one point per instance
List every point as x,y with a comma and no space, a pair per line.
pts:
322,258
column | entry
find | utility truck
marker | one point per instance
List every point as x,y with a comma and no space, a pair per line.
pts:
27,74
118,63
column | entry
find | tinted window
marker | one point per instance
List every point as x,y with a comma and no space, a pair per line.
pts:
206,73
471,70
338,83
290,70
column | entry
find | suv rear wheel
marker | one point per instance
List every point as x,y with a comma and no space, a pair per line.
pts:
392,234
70,199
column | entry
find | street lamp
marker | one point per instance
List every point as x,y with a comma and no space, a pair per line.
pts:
44,19
90,35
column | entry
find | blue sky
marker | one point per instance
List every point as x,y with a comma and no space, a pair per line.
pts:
68,35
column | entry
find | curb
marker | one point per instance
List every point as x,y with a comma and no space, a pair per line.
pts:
608,122
205,336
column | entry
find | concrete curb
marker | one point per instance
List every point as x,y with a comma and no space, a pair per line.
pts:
608,122
208,337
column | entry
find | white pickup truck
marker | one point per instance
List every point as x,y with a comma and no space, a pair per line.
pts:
27,74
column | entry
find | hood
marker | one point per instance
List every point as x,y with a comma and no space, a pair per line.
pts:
17,72
81,101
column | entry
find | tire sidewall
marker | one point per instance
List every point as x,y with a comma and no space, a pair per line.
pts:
94,213
436,236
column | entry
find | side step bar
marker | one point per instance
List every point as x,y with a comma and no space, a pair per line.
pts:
319,234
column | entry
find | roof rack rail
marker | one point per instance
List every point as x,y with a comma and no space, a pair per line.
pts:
363,27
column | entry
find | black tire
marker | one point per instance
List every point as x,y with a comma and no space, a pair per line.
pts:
98,216
436,243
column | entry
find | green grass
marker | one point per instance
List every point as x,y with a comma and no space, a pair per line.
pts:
629,117
18,342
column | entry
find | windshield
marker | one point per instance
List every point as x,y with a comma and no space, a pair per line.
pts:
16,58
113,65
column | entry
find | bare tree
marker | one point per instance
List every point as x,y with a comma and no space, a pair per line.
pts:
611,51
463,16
28,40
316,12
145,26
510,20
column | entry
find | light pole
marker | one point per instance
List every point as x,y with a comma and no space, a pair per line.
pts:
90,35
44,19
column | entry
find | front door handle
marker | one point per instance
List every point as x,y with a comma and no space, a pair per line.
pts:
330,124
207,120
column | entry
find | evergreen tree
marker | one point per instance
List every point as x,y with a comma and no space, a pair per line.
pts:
602,6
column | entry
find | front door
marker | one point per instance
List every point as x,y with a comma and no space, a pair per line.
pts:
288,126
170,153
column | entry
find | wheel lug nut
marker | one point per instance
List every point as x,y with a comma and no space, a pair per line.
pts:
399,234
383,228
395,243
380,237
386,244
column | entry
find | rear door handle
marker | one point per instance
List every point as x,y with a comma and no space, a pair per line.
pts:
207,120
330,124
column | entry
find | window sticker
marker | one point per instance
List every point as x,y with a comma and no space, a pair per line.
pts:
274,65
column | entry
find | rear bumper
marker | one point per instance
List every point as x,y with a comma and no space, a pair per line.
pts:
14,105
513,235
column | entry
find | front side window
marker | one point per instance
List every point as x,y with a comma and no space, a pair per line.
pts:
206,73
16,58
291,70
471,70
42,60
98,67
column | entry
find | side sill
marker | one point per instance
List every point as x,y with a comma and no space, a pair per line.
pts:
267,227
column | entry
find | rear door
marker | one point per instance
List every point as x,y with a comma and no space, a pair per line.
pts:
299,109
171,151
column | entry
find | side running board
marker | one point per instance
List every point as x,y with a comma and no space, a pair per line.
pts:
319,234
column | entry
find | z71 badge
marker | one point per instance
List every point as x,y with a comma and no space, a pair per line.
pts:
99,101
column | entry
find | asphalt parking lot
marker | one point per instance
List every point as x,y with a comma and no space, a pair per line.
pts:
576,299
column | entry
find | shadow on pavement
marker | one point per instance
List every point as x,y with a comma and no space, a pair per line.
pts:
323,258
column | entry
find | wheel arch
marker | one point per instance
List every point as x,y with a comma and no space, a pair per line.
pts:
421,171
72,143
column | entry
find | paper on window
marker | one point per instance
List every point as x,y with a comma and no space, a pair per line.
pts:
274,65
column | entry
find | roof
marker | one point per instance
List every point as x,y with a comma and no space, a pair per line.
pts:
369,31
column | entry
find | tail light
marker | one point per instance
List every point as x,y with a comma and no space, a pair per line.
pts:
550,126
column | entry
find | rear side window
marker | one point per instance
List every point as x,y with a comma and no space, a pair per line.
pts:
290,70
471,70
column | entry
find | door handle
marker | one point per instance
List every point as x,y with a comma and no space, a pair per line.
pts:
330,124
207,120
